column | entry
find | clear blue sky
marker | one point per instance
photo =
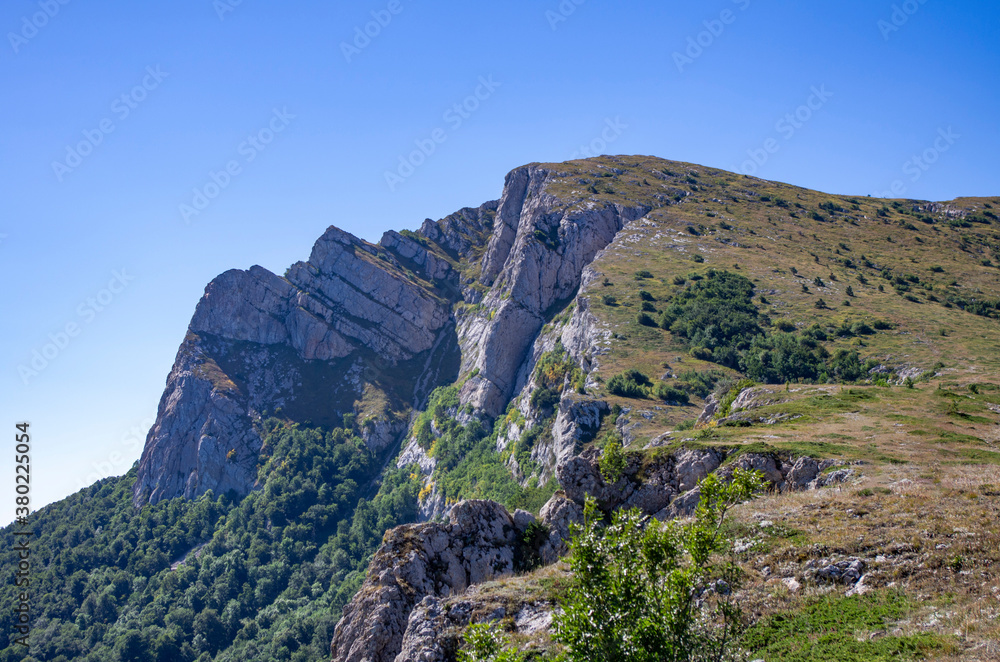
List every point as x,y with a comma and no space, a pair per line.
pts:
223,69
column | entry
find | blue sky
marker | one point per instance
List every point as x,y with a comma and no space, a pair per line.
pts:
117,114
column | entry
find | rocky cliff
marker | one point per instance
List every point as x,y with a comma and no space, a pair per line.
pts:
307,346
384,323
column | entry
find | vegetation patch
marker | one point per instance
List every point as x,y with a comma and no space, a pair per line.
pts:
838,629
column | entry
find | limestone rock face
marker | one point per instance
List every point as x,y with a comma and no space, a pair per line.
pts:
559,514
535,258
258,342
198,423
417,561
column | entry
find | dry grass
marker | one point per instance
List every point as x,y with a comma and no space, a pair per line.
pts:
931,532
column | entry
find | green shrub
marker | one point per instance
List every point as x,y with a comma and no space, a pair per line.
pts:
668,393
629,384
486,642
651,591
609,300
647,296
643,274
685,425
613,458
645,320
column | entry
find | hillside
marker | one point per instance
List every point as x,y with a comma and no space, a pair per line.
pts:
846,346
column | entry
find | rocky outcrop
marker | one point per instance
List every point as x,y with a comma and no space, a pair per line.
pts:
413,604
535,259
202,439
417,561
650,488
259,343
559,514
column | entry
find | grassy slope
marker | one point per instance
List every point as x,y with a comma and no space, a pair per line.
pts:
928,498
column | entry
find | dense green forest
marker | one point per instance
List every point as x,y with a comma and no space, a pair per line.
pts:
215,578
225,579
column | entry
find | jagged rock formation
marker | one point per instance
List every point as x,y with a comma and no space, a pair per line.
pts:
307,343
399,614
421,560
535,259
260,343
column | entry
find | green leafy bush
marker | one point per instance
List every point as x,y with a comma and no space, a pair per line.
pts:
637,583
629,384
613,459
486,642
669,393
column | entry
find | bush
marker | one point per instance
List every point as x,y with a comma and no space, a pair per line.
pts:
643,274
698,258
647,296
485,642
613,459
668,393
629,384
649,591
609,300
645,320
544,399
861,329
717,314
648,307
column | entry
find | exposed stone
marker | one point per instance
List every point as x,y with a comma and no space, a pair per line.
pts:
802,473
694,465
530,276
420,560
559,514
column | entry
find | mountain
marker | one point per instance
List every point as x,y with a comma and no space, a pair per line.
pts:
462,380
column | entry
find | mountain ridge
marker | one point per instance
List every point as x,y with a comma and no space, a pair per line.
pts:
478,371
